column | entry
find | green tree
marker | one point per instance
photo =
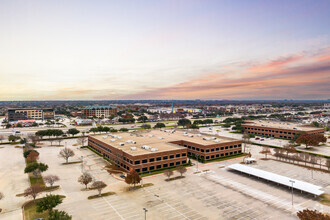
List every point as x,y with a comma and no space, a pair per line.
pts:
13,138
73,131
123,129
194,126
184,122
159,125
36,168
59,215
48,203
146,126
142,118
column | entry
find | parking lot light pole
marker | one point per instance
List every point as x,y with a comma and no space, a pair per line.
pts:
292,182
145,213
82,164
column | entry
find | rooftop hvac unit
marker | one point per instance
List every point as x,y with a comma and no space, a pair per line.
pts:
121,144
151,135
206,138
160,138
114,136
119,137
113,139
214,138
154,149
146,147
133,142
104,137
133,148
199,135
217,141
129,141
190,135
185,135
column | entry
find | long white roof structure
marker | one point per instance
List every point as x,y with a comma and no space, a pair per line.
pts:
300,185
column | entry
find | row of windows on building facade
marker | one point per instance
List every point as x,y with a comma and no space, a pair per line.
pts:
212,149
146,160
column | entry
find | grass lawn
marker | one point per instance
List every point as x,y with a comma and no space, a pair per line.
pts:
73,162
102,195
31,213
140,186
325,199
36,180
175,178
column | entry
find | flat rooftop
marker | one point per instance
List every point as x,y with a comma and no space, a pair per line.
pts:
281,125
283,180
159,140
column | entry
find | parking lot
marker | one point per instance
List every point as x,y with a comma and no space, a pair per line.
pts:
12,181
215,194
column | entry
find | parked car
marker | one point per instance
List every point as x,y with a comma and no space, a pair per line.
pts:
262,139
257,138
122,176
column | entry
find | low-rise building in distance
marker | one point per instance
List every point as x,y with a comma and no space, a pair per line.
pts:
276,129
98,111
16,114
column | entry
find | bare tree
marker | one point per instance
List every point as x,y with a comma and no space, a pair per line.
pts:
81,141
99,185
66,153
34,139
59,140
266,151
33,191
327,164
1,195
246,140
168,173
312,160
51,141
181,170
1,138
51,179
276,152
319,159
306,157
85,179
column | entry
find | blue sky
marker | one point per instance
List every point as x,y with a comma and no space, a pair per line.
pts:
153,49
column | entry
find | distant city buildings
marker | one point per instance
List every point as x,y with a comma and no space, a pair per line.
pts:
98,111
30,114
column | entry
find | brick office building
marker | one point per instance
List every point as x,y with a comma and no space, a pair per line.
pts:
157,149
278,129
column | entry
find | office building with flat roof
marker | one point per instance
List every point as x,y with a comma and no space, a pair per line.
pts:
30,114
158,149
286,130
98,111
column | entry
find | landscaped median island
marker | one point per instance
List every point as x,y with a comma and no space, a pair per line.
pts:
44,208
101,195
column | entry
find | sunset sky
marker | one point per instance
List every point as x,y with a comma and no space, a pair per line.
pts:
173,49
